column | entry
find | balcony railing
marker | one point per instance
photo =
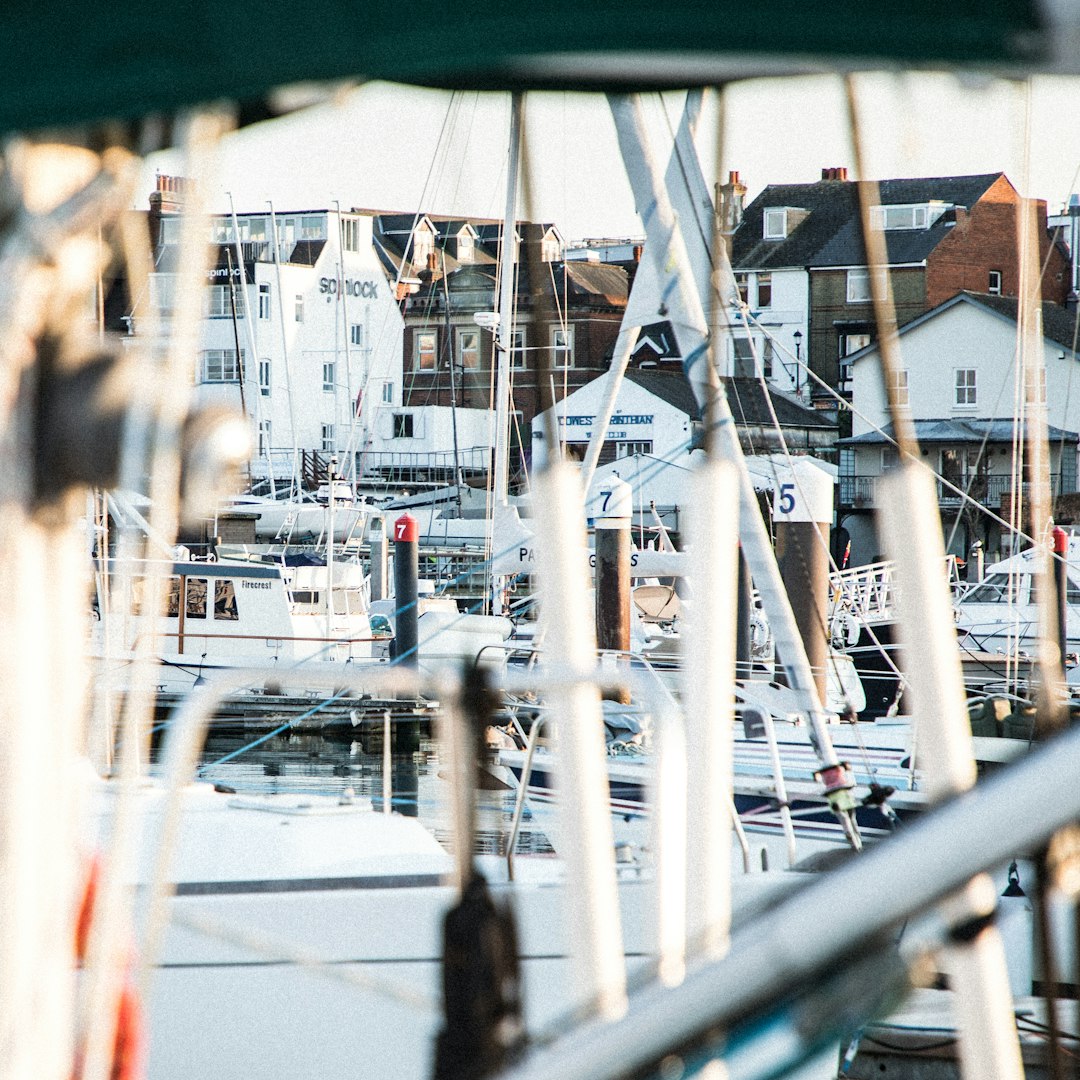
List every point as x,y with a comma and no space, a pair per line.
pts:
991,491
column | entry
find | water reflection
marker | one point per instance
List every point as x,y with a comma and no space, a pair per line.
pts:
310,764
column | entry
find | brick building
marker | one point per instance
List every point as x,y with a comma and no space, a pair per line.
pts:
944,235
446,272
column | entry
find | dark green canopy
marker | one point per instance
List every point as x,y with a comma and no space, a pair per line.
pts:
64,63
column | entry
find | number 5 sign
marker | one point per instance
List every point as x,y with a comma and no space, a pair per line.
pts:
803,492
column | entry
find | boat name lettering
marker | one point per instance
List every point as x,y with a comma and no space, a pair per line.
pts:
363,289
592,560
256,584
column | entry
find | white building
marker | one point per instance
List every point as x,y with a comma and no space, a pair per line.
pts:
959,381
300,329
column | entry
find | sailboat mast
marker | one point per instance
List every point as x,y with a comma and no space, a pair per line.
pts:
504,342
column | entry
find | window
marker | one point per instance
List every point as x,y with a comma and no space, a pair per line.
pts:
742,358
742,287
858,286
423,245
562,346
225,601
264,436
328,438
850,343
890,458
965,386
172,601
350,234
264,301
1035,385
632,448
775,224
299,308
764,290
312,227
403,426
517,349
468,348
900,386
329,375
220,366
767,355
356,334
256,230
465,247
264,376
219,302
388,393
163,292
993,285
196,598
905,217
425,350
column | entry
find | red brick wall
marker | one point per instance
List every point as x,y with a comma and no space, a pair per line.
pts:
986,239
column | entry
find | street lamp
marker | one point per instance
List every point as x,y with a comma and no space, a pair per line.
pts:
797,336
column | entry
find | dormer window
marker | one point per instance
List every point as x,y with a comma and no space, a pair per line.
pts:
776,224
906,216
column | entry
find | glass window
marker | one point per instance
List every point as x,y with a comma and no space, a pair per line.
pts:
858,286
425,350
356,334
403,426
850,343
264,301
172,599
328,438
764,290
312,227
299,309
1035,385
562,346
329,375
775,223
517,349
196,598
965,386
350,234
993,285
767,355
469,348
220,299
264,436
264,376
633,447
890,458
388,393
225,601
901,387
742,358
742,287
996,590
163,292
219,365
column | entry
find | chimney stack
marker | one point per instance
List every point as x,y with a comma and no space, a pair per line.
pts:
836,173
730,198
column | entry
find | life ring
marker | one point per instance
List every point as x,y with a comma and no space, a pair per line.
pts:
844,630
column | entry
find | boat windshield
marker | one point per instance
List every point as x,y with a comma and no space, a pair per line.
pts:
996,590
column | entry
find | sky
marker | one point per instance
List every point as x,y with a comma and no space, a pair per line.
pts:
387,147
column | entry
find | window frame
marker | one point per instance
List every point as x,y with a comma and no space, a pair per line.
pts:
224,293
764,283
768,233
567,350
462,336
965,390
222,357
264,300
404,427
518,358
265,375
420,352
856,275
902,381
388,393
991,288
329,375
327,443
356,334
298,308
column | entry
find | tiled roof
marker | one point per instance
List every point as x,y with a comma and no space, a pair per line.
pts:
831,234
746,398
955,431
